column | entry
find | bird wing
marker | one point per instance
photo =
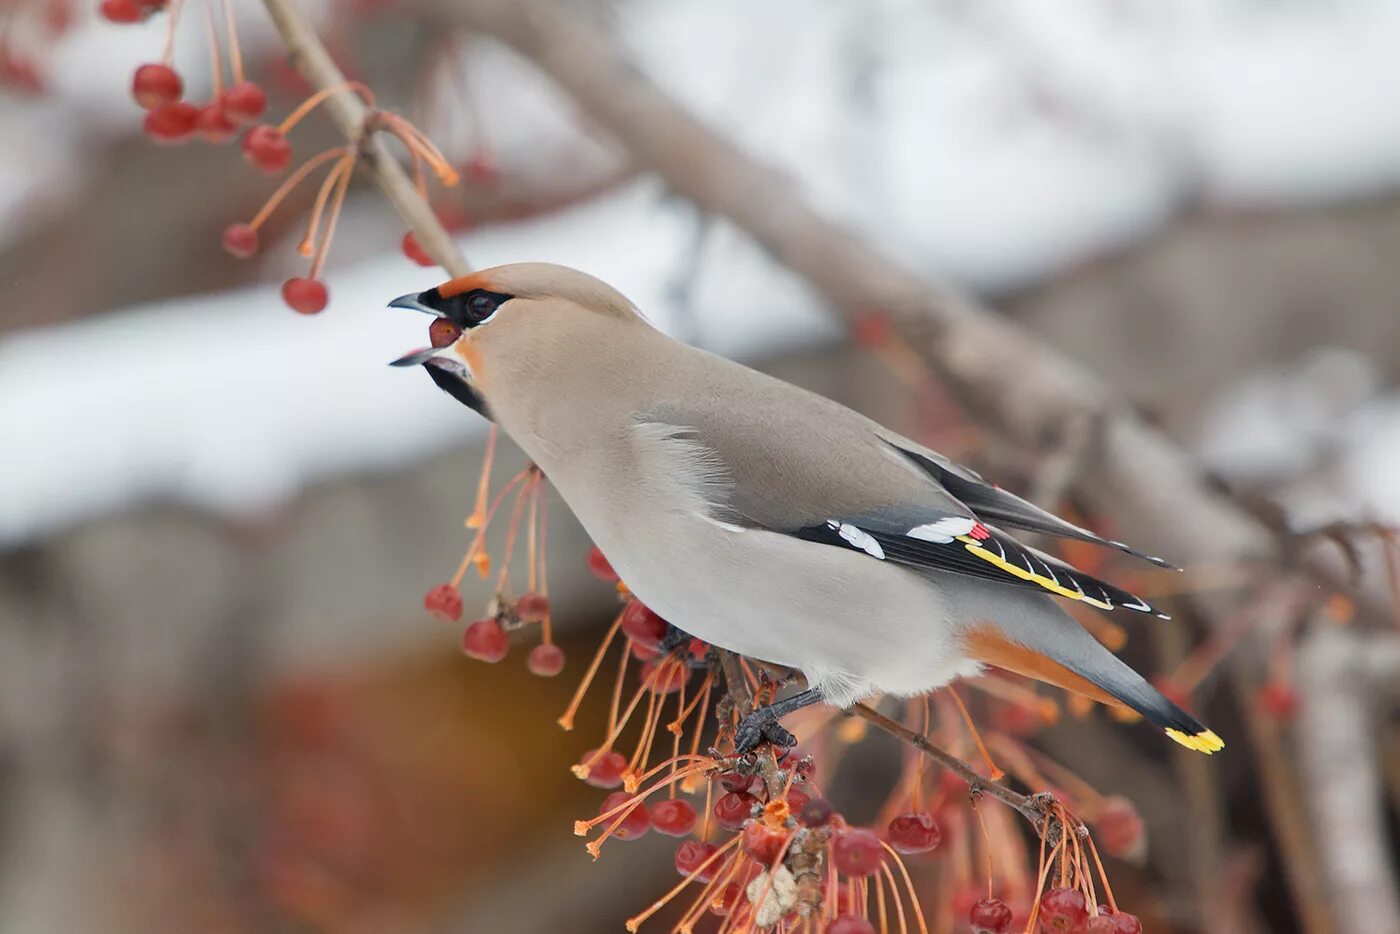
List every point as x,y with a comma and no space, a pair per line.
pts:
792,462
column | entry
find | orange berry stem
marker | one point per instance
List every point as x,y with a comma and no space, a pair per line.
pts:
566,720
996,773
336,203
305,169
483,483
235,54
216,60
306,106
172,21
635,922
480,536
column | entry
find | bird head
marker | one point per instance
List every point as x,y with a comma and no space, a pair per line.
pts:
510,323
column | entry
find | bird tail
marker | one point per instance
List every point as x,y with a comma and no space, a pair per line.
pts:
1037,639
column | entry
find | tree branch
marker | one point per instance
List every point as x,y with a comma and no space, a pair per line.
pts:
349,114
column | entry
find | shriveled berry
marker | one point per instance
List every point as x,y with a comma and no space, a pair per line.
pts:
914,833
241,240
532,607
267,148
635,824
443,333
796,800
305,296
1063,910
732,809
642,625
850,924
485,640
604,771
213,125
674,817
990,916
172,122
244,102
599,567
763,842
1119,829
545,660
121,11
414,251
691,855
156,84
444,601
857,852
816,813
739,781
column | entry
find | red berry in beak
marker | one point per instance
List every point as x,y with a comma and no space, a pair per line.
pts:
244,102
305,296
153,85
267,148
443,333
171,123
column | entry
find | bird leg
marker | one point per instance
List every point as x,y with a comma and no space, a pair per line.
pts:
762,725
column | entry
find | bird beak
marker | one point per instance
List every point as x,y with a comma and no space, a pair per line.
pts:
411,302
417,357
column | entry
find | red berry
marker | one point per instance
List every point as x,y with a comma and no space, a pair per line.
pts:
481,168
738,781
698,649
668,678
241,240
850,924
599,567
267,148
732,809
532,607
244,102
1110,922
213,125
171,123
153,85
305,296
857,852
692,854
674,817
990,916
604,771
724,903
763,842
1278,700
1119,828
1063,910
486,640
797,800
914,833
121,11
816,813
642,625
635,824
444,601
414,251
443,333
545,660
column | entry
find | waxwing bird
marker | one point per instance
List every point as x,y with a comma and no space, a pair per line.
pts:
768,520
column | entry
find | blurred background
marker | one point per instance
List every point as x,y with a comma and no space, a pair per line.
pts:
221,705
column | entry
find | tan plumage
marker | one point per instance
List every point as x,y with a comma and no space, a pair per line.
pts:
769,520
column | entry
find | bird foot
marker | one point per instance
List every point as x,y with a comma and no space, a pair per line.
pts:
759,727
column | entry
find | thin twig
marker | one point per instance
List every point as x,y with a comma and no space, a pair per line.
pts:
349,114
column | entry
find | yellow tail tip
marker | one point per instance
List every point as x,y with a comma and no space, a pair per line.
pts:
1206,741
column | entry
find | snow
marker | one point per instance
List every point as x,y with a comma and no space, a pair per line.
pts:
992,143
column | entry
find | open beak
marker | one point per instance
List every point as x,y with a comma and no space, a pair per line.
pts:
417,357
411,302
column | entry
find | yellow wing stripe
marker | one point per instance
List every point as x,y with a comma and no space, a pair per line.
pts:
1049,584
1206,741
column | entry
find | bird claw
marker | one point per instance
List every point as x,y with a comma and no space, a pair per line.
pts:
759,727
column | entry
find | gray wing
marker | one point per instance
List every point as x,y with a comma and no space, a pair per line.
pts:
805,466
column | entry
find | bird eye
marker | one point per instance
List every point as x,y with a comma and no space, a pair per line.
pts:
481,305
